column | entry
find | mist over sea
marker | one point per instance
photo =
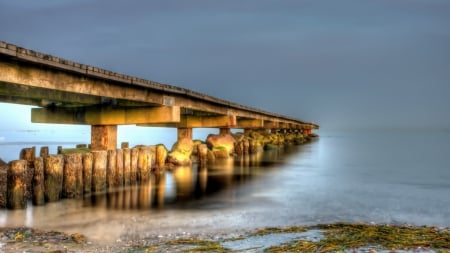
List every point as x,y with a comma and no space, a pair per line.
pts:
381,176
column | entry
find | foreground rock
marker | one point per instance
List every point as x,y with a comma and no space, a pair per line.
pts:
222,145
181,152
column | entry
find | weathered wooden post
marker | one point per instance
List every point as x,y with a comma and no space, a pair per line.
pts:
28,154
38,182
119,168
71,180
53,177
246,146
144,161
87,172
3,183
202,152
133,168
111,169
99,170
16,186
44,152
124,145
161,156
239,148
126,166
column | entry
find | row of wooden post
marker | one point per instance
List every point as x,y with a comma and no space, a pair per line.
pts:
49,178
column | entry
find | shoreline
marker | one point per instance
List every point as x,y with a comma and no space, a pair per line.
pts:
351,237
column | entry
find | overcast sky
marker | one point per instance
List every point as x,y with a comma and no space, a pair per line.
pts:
355,63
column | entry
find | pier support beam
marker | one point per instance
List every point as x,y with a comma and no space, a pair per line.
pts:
250,123
103,137
106,116
271,125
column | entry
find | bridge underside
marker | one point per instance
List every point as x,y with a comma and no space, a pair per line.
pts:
71,93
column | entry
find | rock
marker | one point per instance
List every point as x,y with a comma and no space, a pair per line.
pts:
210,155
255,147
221,141
181,152
196,143
221,152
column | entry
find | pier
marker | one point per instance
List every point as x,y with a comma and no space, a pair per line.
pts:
67,92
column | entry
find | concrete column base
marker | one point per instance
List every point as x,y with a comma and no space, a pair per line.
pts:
104,137
225,130
184,133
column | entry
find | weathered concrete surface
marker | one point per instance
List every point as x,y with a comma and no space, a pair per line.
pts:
104,137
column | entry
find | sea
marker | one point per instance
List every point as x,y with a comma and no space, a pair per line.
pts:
381,176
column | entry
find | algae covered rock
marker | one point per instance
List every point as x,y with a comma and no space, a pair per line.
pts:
224,143
181,152
221,152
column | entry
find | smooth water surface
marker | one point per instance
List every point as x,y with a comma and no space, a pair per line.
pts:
369,176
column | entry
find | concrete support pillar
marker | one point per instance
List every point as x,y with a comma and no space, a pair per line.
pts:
184,133
225,130
104,137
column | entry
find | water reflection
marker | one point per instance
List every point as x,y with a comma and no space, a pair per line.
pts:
182,186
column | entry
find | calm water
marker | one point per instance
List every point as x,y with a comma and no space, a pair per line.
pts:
370,176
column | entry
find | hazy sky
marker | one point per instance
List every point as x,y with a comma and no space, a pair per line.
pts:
338,63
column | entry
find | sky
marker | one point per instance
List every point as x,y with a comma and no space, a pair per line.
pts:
341,64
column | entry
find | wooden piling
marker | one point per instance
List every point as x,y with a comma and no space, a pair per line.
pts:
71,180
111,169
239,148
246,146
144,164
16,185
202,152
3,183
119,168
99,170
133,167
161,156
28,154
87,172
53,177
38,182
124,145
126,166
44,152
